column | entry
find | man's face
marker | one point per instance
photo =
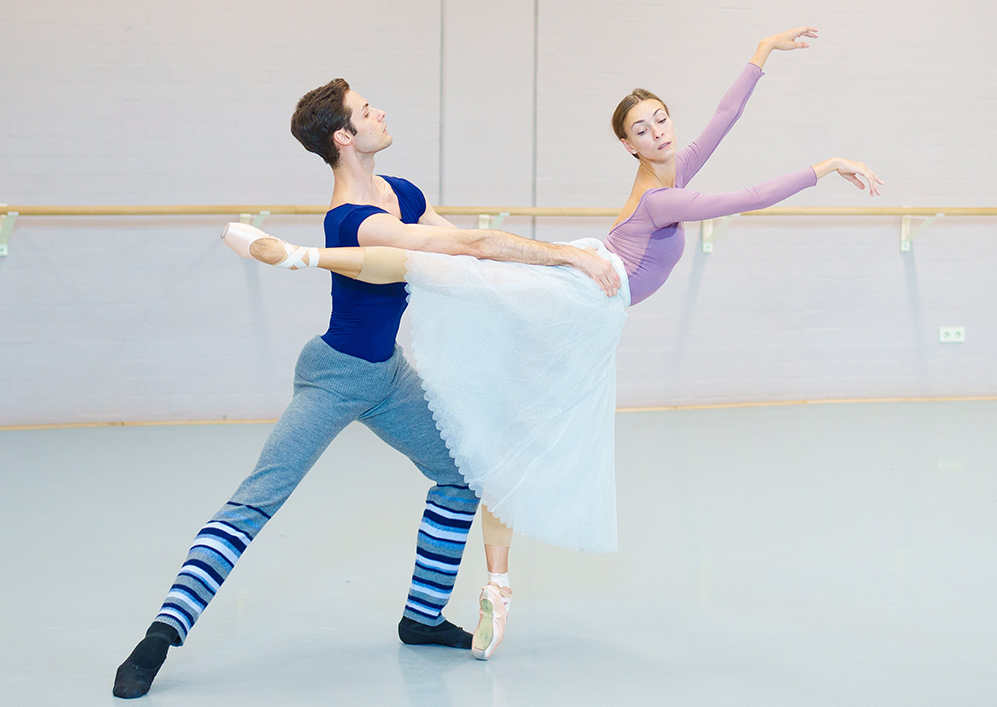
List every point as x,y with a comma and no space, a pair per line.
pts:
372,131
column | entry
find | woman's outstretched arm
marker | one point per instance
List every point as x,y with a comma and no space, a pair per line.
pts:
668,206
694,156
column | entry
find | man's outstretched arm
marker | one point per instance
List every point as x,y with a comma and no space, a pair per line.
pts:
435,234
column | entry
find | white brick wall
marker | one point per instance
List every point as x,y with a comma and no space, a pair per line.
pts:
112,319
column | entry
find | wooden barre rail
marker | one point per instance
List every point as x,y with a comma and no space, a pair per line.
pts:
489,216
283,209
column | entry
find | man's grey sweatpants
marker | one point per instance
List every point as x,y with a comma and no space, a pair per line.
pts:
332,389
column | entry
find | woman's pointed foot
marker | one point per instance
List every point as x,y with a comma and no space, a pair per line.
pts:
253,244
493,610
239,236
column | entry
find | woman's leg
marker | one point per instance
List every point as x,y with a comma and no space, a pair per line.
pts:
377,265
498,538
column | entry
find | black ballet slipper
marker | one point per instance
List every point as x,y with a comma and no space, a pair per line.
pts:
134,677
446,634
132,681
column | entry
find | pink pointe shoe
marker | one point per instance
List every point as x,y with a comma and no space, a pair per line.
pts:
492,613
240,236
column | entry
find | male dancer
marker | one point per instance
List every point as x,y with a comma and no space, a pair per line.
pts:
355,371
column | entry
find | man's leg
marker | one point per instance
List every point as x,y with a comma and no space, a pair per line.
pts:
314,417
405,422
304,431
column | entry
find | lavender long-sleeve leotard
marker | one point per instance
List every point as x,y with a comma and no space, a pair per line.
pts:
651,240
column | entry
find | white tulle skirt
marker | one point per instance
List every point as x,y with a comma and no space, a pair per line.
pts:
519,367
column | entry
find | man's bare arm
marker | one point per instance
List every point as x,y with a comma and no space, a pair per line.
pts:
386,230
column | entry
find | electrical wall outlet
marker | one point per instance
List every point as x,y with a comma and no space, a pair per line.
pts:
951,334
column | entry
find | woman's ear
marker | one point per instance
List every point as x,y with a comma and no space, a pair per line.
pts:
628,146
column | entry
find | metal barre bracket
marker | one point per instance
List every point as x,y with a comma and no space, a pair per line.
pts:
256,220
6,226
710,229
906,236
489,221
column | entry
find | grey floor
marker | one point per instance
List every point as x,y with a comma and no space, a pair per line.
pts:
806,555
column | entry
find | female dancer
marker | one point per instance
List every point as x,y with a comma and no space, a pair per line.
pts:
518,361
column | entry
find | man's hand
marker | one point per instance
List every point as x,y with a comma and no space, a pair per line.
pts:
599,269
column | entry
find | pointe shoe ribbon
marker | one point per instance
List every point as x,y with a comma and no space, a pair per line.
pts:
295,259
240,236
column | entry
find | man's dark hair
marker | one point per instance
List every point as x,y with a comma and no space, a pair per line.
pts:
319,114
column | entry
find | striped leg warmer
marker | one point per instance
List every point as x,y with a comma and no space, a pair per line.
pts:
442,536
216,549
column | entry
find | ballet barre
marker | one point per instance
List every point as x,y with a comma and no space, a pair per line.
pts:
492,216
6,226
711,228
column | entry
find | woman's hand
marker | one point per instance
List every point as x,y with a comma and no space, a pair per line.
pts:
850,170
784,41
